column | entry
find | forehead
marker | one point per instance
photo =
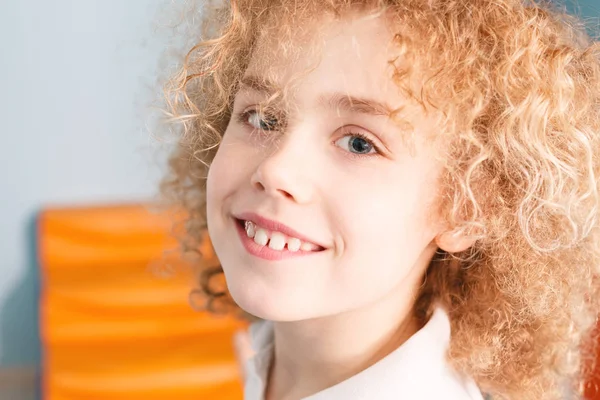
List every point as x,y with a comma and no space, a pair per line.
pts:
349,55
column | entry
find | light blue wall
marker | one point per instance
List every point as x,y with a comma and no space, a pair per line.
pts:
75,79
589,7
589,10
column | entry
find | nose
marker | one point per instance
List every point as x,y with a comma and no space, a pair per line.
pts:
284,170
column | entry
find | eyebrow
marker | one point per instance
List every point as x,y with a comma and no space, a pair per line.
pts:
334,101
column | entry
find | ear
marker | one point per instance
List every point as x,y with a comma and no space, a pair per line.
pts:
454,241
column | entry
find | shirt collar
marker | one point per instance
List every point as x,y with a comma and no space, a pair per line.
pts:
416,370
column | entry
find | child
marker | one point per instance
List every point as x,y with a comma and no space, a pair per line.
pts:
402,194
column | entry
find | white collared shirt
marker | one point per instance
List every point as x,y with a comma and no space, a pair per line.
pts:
417,370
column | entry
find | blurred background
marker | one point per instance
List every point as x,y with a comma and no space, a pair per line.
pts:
79,162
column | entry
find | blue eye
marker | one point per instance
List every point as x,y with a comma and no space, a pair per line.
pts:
357,144
255,120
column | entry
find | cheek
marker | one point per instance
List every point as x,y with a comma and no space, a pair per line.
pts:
387,235
217,176
225,175
394,234
222,182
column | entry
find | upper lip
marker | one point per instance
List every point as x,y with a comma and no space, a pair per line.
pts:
273,225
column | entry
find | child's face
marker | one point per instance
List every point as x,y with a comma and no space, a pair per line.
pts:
368,200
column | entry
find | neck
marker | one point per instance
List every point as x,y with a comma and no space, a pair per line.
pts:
312,355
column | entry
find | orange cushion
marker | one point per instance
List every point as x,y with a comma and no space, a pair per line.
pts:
113,326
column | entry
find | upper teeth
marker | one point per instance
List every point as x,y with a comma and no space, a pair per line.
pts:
276,240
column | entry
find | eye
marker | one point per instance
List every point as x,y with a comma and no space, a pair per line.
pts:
357,143
258,121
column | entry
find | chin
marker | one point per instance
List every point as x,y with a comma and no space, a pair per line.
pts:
269,304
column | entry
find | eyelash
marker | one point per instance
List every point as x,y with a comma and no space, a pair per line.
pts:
242,118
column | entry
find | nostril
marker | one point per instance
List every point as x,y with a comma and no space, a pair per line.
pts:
286,194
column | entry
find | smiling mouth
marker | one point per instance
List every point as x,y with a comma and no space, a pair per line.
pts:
275,240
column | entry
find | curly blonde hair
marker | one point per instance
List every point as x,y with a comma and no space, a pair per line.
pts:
518,84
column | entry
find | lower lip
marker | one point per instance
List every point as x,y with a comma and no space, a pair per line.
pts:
266,252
